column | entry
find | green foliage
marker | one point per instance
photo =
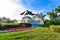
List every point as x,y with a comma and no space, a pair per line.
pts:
53,16
55,28
47,23
57,9
8,25
54,22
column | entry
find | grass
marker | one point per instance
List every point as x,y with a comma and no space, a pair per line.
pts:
55,25
55,28
39,33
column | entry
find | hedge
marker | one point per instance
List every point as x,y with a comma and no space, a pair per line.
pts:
8,25
11,25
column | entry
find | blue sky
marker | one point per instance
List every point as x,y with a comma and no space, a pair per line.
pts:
12,8
40,5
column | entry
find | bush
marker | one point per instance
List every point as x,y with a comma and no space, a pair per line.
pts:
54,22
46,23
55,28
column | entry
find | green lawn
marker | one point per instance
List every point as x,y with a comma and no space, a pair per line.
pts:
39,33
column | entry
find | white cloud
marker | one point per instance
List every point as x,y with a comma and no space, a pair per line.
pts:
11,9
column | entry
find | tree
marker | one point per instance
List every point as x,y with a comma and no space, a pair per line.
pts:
4,18
57,10
52,14
47,23
41,15
15,20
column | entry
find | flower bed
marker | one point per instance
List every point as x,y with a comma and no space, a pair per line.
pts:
22,26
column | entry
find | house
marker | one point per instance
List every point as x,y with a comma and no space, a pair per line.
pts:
58,16
26,19
38,19
35,20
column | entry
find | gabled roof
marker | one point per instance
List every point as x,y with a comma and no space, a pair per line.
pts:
27,17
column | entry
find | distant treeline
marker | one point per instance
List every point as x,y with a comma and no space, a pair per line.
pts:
7,20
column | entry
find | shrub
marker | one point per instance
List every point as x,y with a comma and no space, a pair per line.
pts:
54,22
55,28
46,23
